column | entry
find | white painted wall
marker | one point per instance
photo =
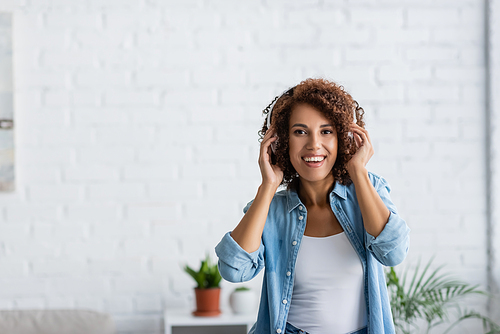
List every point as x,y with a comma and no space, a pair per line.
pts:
136,135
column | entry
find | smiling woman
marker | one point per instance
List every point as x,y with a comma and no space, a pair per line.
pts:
325,238
336,105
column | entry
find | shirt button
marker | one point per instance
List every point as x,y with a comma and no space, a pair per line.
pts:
284,301
278,331
301,207
288,273
301,217
294,243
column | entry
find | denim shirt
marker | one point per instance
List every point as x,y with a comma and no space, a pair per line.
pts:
281,239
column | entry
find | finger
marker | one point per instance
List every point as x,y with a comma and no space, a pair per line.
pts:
362,133
358,140
270,132
357,128
267,142
358,132
266,150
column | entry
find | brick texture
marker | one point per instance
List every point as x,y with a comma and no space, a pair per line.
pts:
136,135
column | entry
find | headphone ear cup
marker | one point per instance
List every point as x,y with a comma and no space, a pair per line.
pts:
273,144
273,152
273,147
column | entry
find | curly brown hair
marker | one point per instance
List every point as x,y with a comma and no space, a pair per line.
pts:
335,103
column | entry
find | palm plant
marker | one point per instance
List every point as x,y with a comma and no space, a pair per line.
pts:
207,277
430,296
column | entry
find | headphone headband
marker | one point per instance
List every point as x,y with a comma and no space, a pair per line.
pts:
288,92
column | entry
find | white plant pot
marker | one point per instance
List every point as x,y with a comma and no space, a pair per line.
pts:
243,302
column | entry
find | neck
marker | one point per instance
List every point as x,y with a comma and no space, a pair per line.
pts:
316,193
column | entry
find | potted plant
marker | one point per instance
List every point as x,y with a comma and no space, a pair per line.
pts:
207,291
428,297
242,301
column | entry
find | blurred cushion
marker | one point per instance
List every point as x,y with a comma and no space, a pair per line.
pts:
55,322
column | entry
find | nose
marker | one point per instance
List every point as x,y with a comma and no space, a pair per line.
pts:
314,141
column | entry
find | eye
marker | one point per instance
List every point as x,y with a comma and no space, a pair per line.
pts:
327,132
299,132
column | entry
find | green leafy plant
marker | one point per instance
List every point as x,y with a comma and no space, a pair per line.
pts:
431,296
207,277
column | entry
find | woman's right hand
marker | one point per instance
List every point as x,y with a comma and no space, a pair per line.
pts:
248,233
272,175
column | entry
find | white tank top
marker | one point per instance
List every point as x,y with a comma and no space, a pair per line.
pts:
328,290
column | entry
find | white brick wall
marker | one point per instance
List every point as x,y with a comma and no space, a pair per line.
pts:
494,150
136,135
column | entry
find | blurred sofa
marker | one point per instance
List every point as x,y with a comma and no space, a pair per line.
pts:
55,322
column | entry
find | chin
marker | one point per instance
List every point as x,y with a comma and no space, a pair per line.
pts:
315,177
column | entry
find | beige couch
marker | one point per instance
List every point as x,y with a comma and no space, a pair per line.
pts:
55,322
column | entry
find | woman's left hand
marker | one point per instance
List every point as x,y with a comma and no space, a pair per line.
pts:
373,209
365,149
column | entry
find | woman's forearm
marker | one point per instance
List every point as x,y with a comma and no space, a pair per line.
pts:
248,233
375,213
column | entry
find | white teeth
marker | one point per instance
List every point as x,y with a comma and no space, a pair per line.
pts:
314,159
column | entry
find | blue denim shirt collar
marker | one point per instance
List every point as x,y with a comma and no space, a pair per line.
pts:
293,199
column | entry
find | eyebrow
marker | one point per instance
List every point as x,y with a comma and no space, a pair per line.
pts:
305,126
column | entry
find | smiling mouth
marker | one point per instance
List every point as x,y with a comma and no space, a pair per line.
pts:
313,159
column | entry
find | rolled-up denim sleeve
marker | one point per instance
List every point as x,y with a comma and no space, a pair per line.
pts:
236,264
391,245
